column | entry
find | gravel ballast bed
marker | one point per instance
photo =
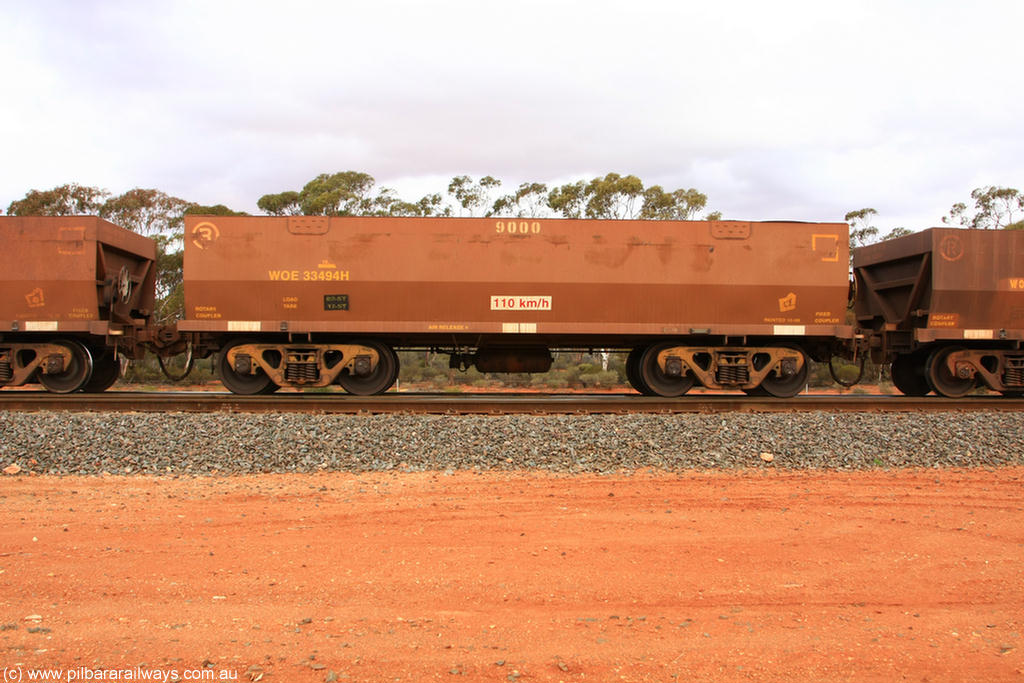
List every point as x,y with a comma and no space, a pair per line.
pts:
177,443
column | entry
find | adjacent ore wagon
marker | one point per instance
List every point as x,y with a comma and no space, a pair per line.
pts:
946,308
310,301
74,292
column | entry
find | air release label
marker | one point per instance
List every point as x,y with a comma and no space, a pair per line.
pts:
520,303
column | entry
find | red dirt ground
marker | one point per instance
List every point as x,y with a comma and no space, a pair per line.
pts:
915,575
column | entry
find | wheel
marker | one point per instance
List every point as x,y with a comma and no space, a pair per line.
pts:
378,381
786,387
106,369
942,380
245,384
657,381
908,374
76,374
633,372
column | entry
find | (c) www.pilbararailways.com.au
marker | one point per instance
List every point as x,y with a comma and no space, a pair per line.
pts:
138,674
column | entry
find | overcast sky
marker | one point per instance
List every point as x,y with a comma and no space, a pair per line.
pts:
791,110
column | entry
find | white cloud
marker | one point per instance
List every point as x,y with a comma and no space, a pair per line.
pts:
799,110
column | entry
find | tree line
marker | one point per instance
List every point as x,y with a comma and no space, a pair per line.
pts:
351,193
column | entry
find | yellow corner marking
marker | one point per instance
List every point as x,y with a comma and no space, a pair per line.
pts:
831,248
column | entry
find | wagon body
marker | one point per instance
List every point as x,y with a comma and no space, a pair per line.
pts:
64,273
74,292
418,280
946,308
943,284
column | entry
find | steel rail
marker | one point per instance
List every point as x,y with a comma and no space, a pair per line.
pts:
487,404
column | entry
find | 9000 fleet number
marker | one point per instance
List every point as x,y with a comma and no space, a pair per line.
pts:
517,227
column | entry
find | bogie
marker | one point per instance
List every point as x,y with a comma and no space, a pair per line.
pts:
248,366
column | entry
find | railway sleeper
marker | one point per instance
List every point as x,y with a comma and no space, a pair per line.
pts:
732,367
304,365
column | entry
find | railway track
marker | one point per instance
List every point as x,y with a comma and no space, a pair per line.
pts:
486,404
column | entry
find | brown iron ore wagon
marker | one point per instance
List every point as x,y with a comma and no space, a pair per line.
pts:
946,308
74,292
310,301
